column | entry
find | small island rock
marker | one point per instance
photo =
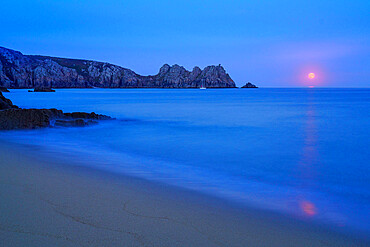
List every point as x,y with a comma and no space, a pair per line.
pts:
249,85
43,89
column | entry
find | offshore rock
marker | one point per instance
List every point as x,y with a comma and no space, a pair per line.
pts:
43,89
25,71
249,85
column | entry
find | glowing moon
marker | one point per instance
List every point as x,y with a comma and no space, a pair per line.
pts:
311,76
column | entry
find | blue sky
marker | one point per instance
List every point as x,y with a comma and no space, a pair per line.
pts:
270,43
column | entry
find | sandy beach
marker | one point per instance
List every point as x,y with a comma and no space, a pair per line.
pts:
51,204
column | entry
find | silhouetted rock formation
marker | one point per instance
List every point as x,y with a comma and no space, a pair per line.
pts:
4,90
249,85
11,117
85,115
24,118
6,103
44,89
39,118
23,71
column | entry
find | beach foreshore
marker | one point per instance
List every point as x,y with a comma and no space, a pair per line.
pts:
53,204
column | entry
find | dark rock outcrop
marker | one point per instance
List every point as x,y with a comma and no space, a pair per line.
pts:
84,115
24,119
22,71
73,122
6,103
43,89
249,85
11,117
4,90
40,118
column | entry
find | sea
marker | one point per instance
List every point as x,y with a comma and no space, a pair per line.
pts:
304,152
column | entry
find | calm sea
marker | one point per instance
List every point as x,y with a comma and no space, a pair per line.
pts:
303,152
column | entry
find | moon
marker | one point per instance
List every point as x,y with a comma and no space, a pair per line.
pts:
311,76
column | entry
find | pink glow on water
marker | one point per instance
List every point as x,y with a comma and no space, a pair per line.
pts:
308,208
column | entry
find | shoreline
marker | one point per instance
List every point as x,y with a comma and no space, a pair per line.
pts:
68,205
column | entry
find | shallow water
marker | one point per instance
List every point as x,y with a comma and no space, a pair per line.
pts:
304,152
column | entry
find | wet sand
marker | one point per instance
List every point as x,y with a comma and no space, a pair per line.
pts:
52,204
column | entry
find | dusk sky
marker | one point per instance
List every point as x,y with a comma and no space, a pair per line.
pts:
269,43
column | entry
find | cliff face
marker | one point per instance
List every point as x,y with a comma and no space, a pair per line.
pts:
23,71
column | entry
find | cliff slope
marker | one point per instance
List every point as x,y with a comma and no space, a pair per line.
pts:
26,71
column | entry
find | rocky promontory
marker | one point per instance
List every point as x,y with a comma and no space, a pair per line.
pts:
13,117
26,71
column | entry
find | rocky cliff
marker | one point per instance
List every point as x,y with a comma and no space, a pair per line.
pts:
25,71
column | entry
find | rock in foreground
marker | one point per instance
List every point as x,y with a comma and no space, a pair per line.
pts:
249,85
84,115
73,123
12,117
40,118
